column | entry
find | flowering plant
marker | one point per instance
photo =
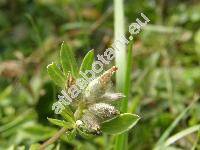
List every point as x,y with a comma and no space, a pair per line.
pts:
93,111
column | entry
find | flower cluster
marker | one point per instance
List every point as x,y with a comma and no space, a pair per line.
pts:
75,87
97,99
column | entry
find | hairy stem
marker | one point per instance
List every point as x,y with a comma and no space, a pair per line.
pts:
54,138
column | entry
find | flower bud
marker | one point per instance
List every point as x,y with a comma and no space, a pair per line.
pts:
91,123
70,80
110,97
103,111
98,86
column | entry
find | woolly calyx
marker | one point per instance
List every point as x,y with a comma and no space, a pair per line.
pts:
103,111
99,86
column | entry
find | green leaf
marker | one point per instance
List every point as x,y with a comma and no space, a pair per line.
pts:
87,61
68,114
68,111
68,60
60,123
35,147
56,74
6,92
84,134
120,124
70,135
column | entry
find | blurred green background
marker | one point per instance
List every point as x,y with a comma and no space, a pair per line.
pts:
165,73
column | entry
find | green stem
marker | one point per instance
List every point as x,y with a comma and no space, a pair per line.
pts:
120,54
120,61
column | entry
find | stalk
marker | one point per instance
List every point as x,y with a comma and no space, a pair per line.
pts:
120,55
120,61
54,138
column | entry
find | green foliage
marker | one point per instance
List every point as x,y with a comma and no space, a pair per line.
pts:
71,135
68,64
61,123
85,135
182,134
87,61
68,114
82,121
68,60
35,147
120,124
56,75
167,132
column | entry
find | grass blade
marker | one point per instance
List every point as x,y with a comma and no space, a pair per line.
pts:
181,134
196,141
121,140
128,78
166,134
120,60
120,55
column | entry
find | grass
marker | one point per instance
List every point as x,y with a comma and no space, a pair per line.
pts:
123,62
168,131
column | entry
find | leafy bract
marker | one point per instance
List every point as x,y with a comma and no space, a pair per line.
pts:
120,124
87,61
60,123
56,74
68,60
69,136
